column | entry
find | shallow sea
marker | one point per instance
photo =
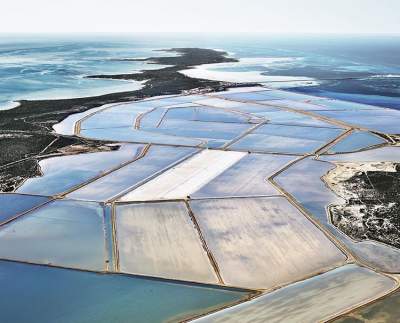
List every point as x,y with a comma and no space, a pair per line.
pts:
358,68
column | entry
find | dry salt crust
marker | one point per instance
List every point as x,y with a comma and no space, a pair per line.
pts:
214,189
185,178
152,245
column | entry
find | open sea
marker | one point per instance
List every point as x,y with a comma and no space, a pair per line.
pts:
357,68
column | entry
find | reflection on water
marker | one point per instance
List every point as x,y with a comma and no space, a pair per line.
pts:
15,204
286,139
60,295
355,141
62,173
303,181
63,233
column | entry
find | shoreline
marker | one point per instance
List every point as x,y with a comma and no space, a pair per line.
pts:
27,134
53,95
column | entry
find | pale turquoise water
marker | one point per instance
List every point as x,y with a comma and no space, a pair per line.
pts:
37,294
54,66
63,233
46,67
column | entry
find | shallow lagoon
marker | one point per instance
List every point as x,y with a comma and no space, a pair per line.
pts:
234,105
338,105
63,233
128,134
275,144
12,205
64,296
205,114
119,115
382,154
61,174
380,120
286,139
357,140
199,129
310,133
292,118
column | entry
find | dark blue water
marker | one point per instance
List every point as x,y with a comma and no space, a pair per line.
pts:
359,68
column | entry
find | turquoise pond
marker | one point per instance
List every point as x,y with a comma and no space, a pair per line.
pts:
61,295
64,233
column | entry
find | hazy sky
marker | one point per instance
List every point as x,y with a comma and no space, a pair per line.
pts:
318,16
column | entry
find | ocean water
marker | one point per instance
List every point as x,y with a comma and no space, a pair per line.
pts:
357,68
54,67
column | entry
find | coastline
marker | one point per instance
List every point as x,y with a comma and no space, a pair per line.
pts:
26,131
